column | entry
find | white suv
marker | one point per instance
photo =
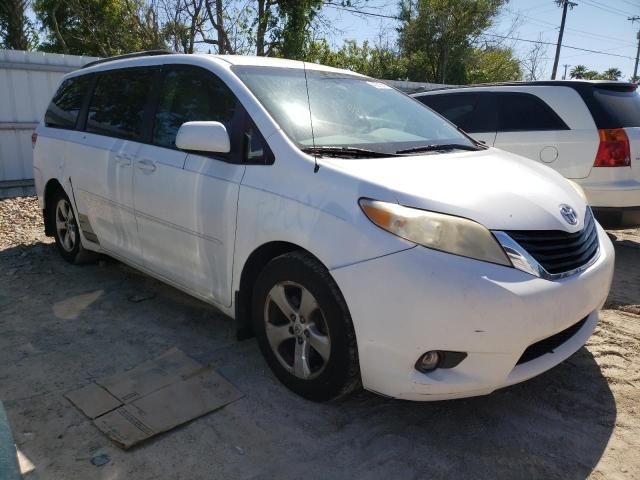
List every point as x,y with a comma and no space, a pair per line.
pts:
589,131
361,237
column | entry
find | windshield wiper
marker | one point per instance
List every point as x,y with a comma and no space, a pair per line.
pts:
347,152
440,147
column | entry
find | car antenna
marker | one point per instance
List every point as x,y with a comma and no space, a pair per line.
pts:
313,137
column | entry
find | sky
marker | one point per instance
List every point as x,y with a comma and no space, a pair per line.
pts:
592,24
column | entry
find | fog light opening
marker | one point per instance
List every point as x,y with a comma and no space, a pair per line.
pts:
433,359
428,362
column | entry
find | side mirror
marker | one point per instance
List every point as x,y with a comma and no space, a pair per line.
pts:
203,137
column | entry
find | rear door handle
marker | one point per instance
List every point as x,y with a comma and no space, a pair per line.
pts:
147,166
123,160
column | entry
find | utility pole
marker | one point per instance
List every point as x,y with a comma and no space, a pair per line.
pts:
565,4
633,20
564,77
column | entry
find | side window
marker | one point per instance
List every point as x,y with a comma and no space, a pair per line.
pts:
66,104
523,111
117,105
255,148
191,95
461,109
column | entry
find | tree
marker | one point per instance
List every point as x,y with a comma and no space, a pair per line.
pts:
578,72
377,61
612,74
437,36
16,30
533,63
95,27
492,64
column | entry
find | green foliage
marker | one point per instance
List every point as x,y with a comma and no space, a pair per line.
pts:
94,27
612,74
295,16
582,72
16,30
492,65
438,36
372,61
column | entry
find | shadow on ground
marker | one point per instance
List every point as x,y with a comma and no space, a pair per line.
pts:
64,326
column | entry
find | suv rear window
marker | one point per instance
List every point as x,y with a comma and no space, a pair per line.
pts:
66,104
117,105
615,107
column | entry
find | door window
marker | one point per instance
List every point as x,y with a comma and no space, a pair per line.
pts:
118,102
66,104
188,95
526,112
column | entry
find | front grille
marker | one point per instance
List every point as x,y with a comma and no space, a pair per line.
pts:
559,251
549,344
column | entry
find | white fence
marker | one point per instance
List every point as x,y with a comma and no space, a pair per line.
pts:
27,82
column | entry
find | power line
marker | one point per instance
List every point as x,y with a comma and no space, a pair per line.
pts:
507,37
567,29
605,8
552,43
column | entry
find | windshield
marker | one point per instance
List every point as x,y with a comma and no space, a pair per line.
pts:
347,111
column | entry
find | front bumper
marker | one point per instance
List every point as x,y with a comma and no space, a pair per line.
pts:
417,300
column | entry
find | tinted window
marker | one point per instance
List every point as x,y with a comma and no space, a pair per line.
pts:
617,108
522,112
66,104
191,95
117,105
469,111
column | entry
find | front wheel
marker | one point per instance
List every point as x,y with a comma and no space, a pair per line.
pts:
304,329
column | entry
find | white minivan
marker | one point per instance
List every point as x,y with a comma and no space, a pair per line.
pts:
362,238
588,130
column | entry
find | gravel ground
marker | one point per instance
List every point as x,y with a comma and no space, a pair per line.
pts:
62,326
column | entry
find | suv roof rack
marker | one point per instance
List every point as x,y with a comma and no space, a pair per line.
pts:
146,53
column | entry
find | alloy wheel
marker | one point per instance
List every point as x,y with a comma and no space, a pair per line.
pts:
296,330
66,225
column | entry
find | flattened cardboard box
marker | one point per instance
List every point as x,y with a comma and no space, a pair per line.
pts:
153,397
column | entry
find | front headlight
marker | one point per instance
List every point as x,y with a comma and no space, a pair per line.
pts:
447,233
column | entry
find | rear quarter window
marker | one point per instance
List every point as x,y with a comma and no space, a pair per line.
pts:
66,104
526,112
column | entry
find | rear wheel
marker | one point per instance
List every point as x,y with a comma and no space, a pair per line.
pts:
66,231
304,328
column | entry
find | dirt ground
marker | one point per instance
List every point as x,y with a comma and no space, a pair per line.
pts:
63,326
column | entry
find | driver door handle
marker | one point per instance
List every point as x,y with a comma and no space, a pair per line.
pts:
147,166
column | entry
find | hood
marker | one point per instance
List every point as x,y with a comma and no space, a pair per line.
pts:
500,190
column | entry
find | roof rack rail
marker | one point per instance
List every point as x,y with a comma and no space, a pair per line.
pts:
146,53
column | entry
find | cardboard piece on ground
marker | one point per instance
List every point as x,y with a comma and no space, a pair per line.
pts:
156,396
170,367
93,400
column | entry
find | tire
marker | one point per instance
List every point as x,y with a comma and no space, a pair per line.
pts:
66,231
315,357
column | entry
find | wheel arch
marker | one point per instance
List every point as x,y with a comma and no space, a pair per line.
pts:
252,267
50,189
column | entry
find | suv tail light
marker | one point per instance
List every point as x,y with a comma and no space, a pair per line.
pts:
34,139
614,149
